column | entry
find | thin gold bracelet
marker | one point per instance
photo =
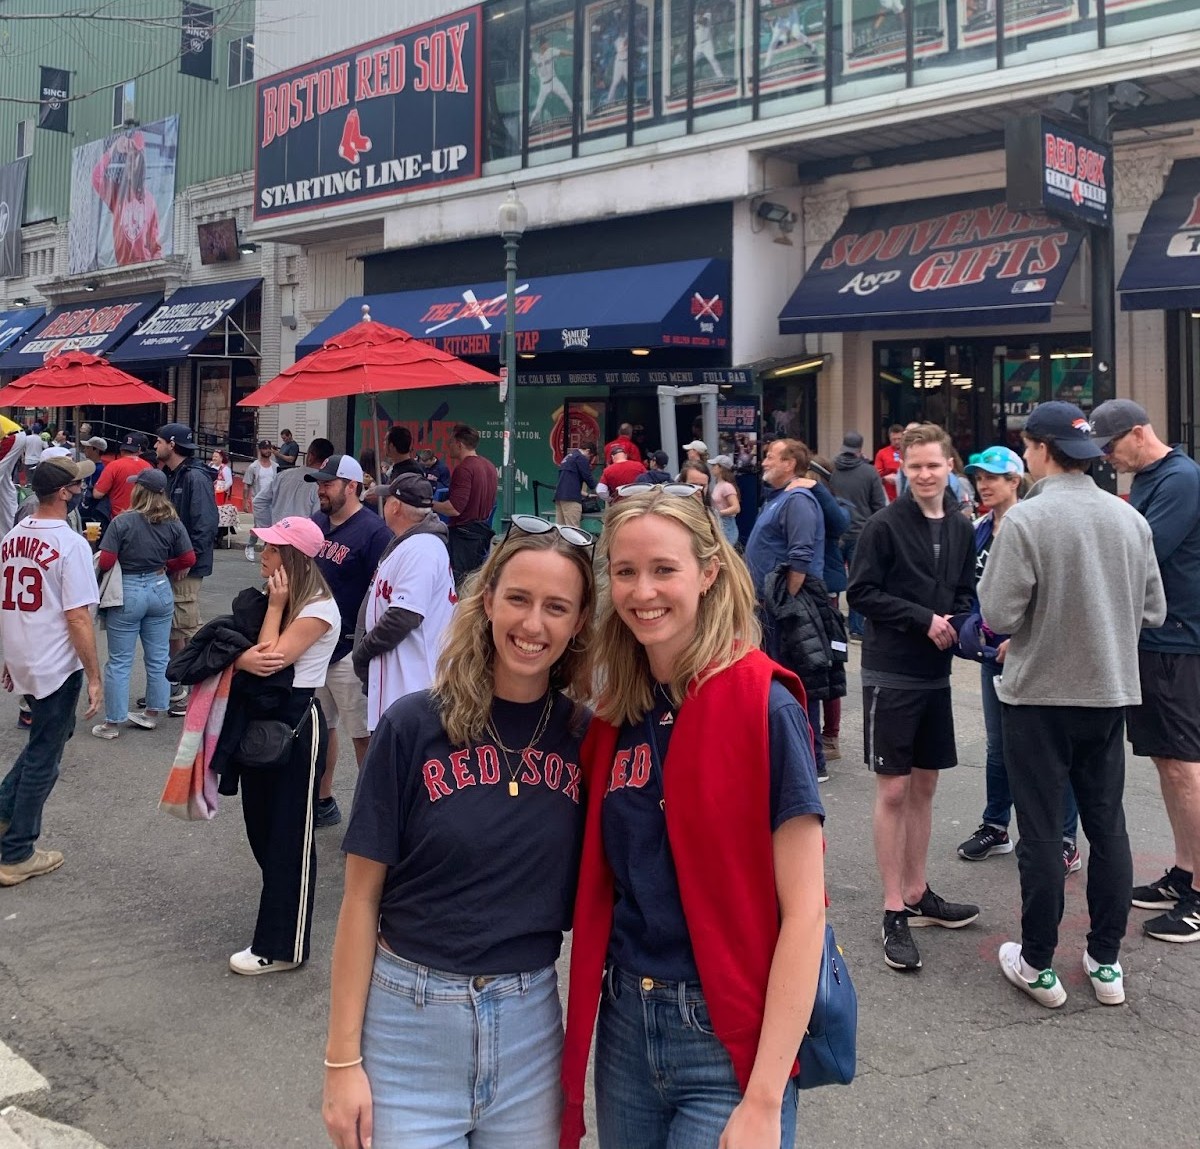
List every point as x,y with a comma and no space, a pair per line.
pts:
343,1064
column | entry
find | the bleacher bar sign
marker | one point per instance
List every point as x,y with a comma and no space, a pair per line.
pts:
384,118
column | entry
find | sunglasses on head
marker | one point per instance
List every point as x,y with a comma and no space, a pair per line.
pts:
532,525
683,490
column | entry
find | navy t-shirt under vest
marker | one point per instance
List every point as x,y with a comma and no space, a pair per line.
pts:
479,881
649,934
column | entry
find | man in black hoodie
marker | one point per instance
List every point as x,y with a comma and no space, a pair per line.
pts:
914,567
856,480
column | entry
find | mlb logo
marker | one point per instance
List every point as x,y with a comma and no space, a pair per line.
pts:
1184,243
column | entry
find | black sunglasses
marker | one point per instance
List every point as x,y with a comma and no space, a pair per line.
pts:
533,525
1107,449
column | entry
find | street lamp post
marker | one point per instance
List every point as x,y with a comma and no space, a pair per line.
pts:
512,218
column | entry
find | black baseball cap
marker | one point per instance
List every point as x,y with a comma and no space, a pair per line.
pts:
415,490
1066,426
134,441
151,478
177,434
1117,417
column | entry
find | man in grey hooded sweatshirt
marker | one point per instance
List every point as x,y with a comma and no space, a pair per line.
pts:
855,480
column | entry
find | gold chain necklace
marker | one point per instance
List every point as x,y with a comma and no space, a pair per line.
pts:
540,729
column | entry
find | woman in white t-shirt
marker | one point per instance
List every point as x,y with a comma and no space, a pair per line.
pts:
300,630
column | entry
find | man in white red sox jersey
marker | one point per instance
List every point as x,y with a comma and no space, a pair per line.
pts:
47,587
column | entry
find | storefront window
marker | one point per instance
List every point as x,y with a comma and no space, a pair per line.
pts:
618,66
1046,29
967,47
1127,21
552,94
504,83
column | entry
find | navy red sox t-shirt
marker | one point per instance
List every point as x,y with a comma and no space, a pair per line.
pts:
649,934
348,560
479,881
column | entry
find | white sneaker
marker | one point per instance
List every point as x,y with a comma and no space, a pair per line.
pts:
1107,980
106,730
1045,988
247,962
142,719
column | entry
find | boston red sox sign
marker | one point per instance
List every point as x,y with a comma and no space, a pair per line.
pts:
380,119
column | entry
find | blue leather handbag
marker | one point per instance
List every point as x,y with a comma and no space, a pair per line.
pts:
828,1052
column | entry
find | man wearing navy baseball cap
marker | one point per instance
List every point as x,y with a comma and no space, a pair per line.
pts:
1166,726
1072,578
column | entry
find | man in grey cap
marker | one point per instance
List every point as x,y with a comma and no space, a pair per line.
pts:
1072,578
1166,726
856,480
93,509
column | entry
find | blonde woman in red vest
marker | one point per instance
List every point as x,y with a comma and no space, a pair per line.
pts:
700,912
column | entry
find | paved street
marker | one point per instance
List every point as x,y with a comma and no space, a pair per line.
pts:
114,984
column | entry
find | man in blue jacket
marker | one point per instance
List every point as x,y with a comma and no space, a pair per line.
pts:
1166,726
190,488
574,477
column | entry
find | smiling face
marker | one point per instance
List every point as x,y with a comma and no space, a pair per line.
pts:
927,470
777,469
536,608
331,494
656,584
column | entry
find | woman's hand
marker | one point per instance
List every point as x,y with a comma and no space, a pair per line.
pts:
277,588
260,660
754,1124
801,484
347,1108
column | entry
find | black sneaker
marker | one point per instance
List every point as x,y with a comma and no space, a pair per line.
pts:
899,949
985,842
1171,888
934,911
328,813
1182,924
1071,859
179,694
822,773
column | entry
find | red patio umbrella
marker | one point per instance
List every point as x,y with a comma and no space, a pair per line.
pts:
368,359
77,379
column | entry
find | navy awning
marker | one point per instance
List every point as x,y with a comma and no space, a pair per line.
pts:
14,324
958,261
92,327
682,304
175,328
1163,272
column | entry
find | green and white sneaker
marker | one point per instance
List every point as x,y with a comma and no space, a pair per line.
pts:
1045,988
1108,981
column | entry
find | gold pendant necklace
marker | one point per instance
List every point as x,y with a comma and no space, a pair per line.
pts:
539,730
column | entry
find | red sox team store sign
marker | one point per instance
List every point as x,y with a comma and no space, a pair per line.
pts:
380,119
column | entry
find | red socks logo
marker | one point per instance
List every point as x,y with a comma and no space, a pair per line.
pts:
353,141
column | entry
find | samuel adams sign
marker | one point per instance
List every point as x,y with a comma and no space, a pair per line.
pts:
381,119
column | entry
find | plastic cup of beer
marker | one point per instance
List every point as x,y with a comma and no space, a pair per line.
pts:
92,532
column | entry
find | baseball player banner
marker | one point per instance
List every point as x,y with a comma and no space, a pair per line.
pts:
123,198
551,67
13,177
54,96
613,65
875,36
707,33
791,44
382,119
977,18
1111,7
195,44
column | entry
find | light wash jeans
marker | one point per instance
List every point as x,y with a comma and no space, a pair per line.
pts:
457,1061
146,613
663,1080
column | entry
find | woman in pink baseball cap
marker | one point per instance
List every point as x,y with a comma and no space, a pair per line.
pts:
300,630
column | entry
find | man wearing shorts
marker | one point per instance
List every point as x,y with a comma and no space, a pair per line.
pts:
355,540
190,488
1072,578
1166,726
913,568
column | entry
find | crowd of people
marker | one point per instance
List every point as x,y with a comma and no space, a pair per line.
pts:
541,727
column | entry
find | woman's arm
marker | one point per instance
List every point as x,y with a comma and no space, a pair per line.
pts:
278,647
347,1101
791,986
733,504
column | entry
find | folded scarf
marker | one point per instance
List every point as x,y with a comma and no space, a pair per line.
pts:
191,789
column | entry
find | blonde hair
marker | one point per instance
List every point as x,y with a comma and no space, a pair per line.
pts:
306,583
726,623
157,508
464,685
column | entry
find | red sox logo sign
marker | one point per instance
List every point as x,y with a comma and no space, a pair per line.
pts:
353,142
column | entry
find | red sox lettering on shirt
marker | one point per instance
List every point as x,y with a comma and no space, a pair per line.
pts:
481,766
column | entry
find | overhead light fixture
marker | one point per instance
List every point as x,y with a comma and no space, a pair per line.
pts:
21,300
640,350
246,248
861,164
801,367
1064,103
773,212
525,355
1127,94
91,285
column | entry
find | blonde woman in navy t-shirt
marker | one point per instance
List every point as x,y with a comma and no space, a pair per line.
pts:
461,859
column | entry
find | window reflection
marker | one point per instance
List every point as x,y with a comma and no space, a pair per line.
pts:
791,45
618,56
503,46
551,101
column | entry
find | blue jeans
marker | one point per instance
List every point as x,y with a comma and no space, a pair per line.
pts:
662,1077
27,785
999,797
456,1060
146,612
